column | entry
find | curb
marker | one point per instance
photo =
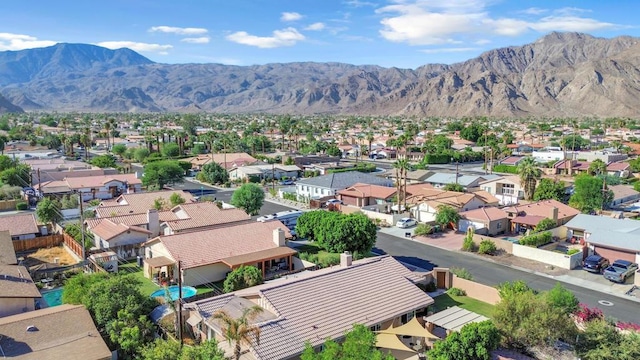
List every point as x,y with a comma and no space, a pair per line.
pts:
557,278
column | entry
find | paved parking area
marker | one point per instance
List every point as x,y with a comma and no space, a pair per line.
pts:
446,240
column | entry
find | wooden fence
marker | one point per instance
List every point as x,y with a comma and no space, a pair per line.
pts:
6,205
38,242
48,242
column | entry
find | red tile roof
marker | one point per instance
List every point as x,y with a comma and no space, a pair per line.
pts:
107,229
361,190
484,214
137,203
543,208
203,214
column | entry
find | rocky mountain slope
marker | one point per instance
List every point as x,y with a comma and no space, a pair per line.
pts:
7,107
561,74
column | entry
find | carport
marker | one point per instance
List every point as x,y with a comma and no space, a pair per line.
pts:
453,319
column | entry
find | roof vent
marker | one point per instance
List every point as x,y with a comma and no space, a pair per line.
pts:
31,328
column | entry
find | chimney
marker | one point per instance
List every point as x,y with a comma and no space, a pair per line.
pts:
153,221
554,214
278,237
346,259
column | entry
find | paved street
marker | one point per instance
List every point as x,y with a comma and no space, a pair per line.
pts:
492,274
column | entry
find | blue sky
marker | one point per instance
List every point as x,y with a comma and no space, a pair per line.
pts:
400,33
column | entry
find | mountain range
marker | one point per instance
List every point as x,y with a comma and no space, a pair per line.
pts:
560,74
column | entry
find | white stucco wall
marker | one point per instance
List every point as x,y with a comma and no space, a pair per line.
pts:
205,274
548,257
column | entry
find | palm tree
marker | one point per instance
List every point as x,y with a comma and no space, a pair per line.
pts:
114,126
107,127
529,175
239,331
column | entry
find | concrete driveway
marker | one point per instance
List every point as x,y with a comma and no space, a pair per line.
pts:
445,240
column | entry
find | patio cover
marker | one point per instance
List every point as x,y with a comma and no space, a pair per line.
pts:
531,220
391,341
454,318
412,328
254,257
159,261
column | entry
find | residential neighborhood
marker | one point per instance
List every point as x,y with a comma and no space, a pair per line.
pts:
305,249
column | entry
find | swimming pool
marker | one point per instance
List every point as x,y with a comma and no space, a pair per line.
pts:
513,240
53,297
187,291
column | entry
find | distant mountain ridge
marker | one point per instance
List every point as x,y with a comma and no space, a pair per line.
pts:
7,107
561,74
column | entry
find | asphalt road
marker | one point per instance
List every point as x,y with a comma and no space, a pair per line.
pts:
492,274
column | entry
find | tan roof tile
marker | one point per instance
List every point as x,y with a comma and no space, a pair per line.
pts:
107,229
7,252
361,190
543,208
63,332
15,282
484,214
19,224
203,214
137,203
206,247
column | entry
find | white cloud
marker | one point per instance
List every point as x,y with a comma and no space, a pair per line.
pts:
534,11
315,26
196,40
136,46
290,16
448,50
178,30
9,41
358,3
421,22
482,42
285,37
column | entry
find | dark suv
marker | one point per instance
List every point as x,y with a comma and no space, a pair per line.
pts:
595,264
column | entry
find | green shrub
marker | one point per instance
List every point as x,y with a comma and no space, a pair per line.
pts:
468,244
462,273
423,229
329,260
572,251
22,206
290,196
509,169
430,287
536,239
487,247
457,292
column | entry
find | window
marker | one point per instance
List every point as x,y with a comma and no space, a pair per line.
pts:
508,189
407,317
375,327
499,225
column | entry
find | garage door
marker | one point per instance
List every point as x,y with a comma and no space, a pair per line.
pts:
477,226
613,255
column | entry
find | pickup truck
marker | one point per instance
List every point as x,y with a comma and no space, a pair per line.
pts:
620,270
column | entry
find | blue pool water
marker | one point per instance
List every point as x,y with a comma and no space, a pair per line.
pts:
187,291
53,297
513,240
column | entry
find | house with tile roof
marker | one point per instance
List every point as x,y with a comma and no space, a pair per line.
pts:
138,203
21,226
622,194
426,202
18,293
525,217
413,177
92,187
201,215
264,172
484,221
208,255
226,160
318,305
60,332
329,185
365,194
124,240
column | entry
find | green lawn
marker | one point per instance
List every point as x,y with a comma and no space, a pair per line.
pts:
446,300
147,287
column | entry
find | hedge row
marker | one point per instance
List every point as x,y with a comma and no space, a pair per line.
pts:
509,169
536,239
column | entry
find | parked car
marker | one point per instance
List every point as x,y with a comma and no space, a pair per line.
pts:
595,264
333,202
287,182
406,222
620,270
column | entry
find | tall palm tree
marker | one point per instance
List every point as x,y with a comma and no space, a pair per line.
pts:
114,126
529,175
107,127
239,331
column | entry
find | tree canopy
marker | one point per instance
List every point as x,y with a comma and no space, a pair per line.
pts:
171,150
447,215
337,232
249,197
160,173
241,278
213,173
359,343
104,161
48,211
474,341
549,189
589,195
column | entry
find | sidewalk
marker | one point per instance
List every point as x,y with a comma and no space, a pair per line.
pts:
575,277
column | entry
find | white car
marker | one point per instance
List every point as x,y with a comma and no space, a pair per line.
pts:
332,202
406,222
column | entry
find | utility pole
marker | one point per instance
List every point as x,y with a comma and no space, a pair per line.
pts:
180,302
84,252
273,176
